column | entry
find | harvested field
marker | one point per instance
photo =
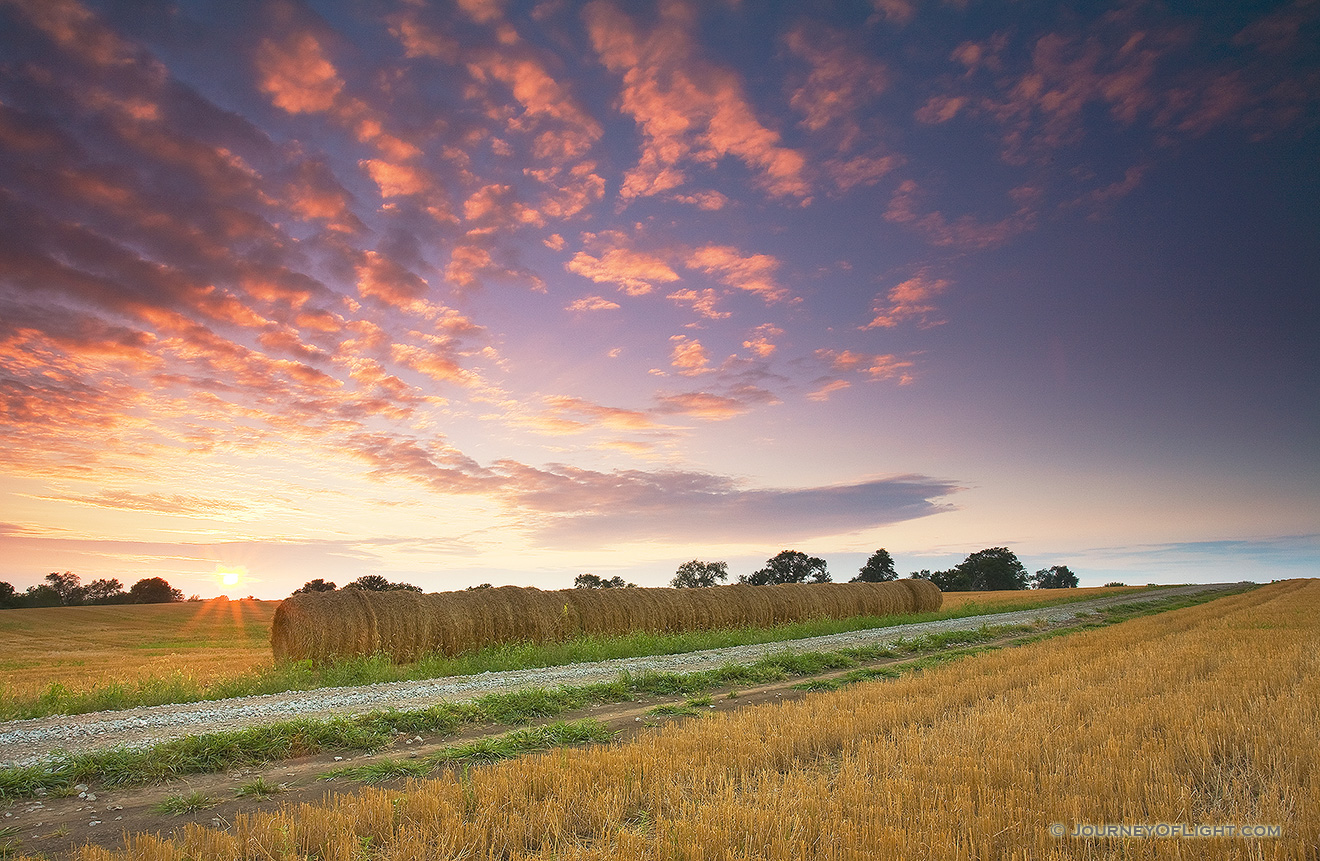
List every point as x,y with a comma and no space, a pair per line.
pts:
1195,717
82,647
406,625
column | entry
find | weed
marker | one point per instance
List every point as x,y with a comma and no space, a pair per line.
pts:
177,805
258,788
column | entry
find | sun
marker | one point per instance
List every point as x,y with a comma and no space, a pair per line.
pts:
230,574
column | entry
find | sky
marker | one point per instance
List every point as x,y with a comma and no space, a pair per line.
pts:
507,292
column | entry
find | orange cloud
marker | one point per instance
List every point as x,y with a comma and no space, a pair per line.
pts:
397,180
759,342
634,272
909,299
380,277
965,232
592,303
690,110
754,273
296,75
710,201
841,81
689,356
877,367
702,301
610,417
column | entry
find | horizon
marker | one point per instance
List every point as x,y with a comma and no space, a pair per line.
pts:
510,292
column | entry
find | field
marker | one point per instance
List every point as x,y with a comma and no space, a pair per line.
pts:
50,658
1198,718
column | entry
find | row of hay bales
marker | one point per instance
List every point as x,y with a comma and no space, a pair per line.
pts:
406,625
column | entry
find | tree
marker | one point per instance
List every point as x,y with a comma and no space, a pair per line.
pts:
317,585
788,566
67,585
591,581
41,596
878,569
697,574
105,592
377,583
9,598
153,590
992,569
479,586
1055,577
951,580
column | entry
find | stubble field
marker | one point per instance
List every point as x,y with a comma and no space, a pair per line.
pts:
1187,720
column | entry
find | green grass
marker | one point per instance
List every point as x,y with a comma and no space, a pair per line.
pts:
177,805
305,675
258,788
216,752
507,746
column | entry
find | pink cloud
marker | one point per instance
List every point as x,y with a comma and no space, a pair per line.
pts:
689,356
296,74
913,298
753,273
701,301
965,232
875,366
760,343
383,278
689,110
634,272
841,80
592,303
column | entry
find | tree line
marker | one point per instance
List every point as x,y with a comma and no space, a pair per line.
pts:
68,590
992,569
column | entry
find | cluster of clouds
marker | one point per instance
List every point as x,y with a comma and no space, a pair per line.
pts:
284,259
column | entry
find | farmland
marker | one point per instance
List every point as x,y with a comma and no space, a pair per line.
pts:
69,659
1199,716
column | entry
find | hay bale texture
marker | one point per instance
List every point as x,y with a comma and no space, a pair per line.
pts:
405,625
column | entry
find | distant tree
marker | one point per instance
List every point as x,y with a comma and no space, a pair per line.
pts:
68,586
788,566
317,585
9,598
951,580
992,569
591,581
154,590
479,586
1115,583
377,583
698,574
42,595
105,592
1055,577
878,569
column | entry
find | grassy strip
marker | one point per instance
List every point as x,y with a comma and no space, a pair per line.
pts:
507,746
301,676
215,752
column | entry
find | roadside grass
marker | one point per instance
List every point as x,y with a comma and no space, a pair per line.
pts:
507,746
179,687
258,788
216,752
177,805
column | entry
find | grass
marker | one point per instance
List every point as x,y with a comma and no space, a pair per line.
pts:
215,752
75,660
507,746
258,788
177,805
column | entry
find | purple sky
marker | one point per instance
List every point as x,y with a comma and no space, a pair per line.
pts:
506,292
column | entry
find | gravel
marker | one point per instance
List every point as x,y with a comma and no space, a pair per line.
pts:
27,742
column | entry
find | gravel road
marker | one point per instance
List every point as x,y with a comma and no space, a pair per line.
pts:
30,741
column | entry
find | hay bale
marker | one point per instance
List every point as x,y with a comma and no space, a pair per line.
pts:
404,626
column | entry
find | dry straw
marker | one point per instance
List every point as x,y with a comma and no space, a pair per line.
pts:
406,625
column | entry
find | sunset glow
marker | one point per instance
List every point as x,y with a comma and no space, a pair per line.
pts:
507,292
